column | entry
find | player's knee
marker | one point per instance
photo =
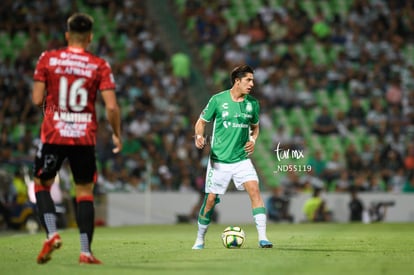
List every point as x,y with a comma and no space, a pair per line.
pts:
38,187
84,189
43,184
81,198
207,209
45,177
211,200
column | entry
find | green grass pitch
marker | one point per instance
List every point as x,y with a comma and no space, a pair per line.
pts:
166,249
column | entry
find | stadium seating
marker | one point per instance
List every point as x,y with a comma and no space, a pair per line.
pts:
321,53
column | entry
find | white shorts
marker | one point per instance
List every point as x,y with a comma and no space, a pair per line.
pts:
219,175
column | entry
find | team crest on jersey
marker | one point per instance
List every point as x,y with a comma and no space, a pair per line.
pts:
249,107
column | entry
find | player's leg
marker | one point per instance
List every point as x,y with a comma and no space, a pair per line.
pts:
83,165
85,219
47,162
216,173
204,218
246,178
259,212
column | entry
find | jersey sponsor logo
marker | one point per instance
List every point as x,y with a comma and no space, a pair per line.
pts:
243,115
65,55
71,130
73,66
239,125
228,124
71,63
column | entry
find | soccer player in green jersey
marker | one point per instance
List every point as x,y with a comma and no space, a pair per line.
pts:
236,127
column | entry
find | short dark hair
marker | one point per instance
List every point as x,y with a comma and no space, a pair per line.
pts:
240,72
80,23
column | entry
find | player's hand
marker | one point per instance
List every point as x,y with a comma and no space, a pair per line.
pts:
200,141
249,147
118,144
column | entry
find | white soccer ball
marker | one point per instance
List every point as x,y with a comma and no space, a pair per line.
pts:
233,237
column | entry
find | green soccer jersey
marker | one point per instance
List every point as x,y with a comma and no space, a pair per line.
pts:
231,128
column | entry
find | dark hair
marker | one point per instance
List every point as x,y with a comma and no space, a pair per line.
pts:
240,72
80,23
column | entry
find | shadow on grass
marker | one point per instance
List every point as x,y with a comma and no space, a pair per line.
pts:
320,249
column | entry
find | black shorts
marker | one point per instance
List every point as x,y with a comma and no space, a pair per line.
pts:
82,161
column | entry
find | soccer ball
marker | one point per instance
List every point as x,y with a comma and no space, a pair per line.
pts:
233,237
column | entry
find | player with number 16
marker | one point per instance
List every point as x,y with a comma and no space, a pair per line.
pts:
67,83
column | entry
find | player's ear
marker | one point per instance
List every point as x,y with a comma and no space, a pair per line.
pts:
90,37
67,36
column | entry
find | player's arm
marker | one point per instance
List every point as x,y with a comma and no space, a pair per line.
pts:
113,115
199,133
254,133
38,93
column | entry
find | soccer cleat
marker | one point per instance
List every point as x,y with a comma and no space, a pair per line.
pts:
48,247
198,245
265,244
86,258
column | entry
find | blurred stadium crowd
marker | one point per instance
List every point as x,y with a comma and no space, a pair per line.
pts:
157,117
335,80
